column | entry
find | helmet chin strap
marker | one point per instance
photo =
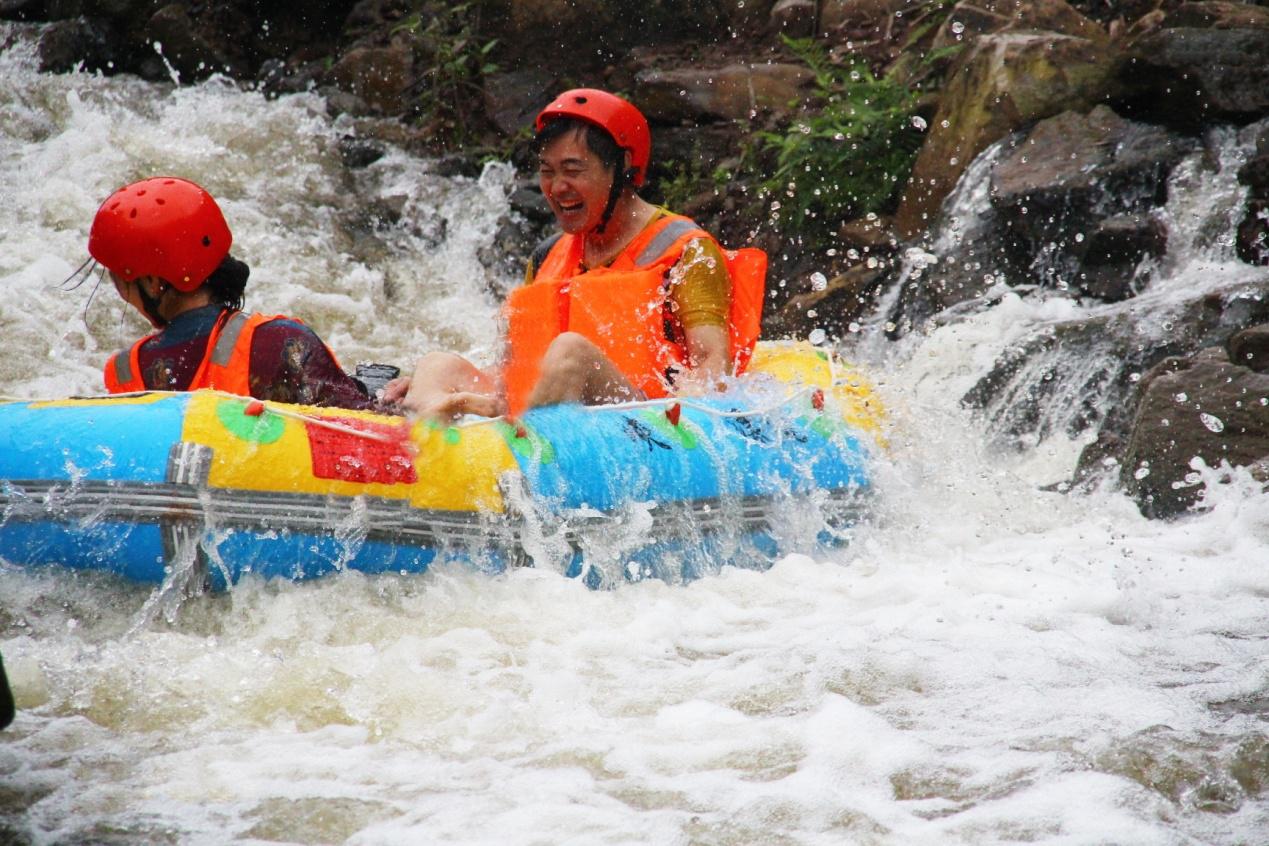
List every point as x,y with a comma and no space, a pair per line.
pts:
150,305
619,181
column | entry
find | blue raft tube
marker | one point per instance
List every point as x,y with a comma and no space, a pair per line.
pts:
206,487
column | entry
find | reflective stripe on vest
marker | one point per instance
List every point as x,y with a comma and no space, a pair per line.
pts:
121,373
674,230
228,339
226,364
122,368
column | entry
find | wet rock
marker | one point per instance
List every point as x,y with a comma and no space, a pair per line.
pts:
25,10
749,18
1204,407
845,299
7,709
1252,239
77,42
999,83
1074,198
1187,76
794,18
871,234
512,100
1255,175
876,19
358,153
1250,348
692,152
574,35
1217,15
378,75
1126,238
1111,283
372,18
507,254
193,48
734,92
526,199
970,19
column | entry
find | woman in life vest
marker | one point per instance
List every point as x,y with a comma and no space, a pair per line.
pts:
166,245
629,301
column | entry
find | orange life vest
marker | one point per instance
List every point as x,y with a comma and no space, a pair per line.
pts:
226,364
621,308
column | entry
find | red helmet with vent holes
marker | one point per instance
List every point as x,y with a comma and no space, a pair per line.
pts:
617,117
163,226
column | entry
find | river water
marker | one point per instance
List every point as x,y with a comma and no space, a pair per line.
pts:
986,662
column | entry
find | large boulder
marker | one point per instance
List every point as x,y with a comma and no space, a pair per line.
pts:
877,19
1192,76
77,42
1075,198
834,306
513,99
971,19
195,49
576,35
1204,408
380,76
1073,204
733,92
794,18
998,84
1217,15
1252,245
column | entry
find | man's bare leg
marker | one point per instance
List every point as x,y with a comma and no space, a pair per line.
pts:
575,370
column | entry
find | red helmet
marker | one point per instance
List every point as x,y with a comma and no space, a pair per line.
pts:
162,226
617,117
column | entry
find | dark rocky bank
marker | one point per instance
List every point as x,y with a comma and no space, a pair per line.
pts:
1096,103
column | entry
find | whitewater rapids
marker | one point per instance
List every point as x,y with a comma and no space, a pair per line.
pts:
986,662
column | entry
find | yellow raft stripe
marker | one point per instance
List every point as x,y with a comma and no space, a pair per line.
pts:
798,363
433,468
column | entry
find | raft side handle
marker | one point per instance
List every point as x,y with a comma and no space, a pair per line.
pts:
189,463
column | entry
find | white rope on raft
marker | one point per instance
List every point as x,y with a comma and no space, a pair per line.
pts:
668,402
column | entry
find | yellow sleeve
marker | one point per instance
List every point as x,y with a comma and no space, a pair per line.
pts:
700,289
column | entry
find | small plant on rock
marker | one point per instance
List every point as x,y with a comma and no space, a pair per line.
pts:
846,157
456,58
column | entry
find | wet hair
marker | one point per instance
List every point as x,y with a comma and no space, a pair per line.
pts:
228,282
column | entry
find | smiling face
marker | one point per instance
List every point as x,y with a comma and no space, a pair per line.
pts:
574,181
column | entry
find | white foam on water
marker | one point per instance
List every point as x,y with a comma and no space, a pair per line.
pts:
986,662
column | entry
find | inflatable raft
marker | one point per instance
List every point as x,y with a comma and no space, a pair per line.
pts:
208,487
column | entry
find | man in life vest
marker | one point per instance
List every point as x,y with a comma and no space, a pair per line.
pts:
166,245
629,301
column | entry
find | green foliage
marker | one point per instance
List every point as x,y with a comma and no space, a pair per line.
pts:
456,59
846,158
682,186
